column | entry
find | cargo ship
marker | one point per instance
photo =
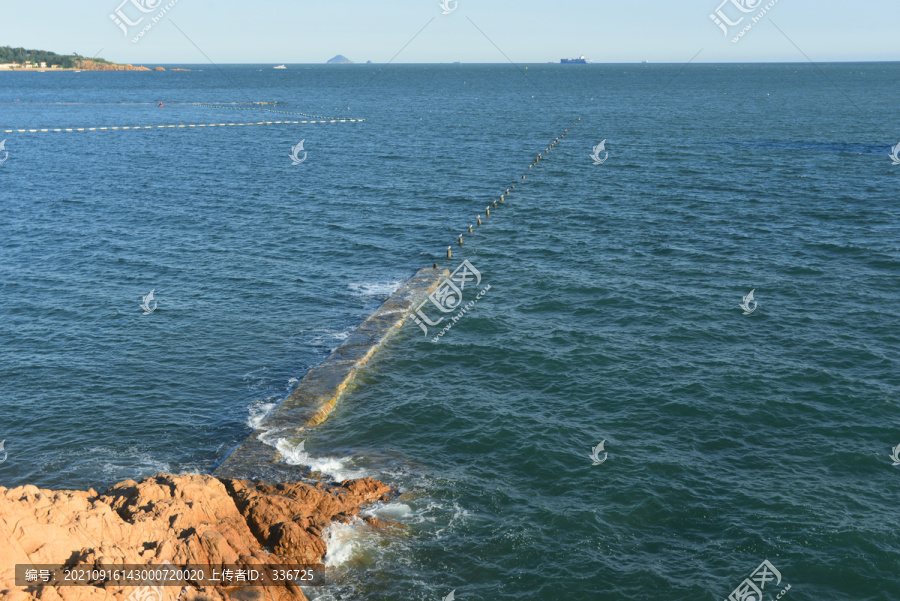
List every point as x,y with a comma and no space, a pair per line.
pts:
580,60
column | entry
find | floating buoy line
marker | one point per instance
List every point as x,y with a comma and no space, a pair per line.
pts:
504,195
309,119
184,126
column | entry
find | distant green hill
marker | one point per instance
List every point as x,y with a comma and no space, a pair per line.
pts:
21,56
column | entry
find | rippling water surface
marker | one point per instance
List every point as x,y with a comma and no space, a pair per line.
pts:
612,315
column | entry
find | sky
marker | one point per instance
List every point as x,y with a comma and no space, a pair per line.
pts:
485,31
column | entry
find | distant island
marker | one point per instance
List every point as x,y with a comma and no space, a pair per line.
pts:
340,59
20,59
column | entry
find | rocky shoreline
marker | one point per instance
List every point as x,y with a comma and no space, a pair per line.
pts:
183,520
89,65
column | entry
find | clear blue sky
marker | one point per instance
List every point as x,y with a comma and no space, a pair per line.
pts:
303,31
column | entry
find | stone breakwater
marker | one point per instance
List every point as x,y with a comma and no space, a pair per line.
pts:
183,520
316,395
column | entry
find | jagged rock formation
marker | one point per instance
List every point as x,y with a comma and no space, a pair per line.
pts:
185,520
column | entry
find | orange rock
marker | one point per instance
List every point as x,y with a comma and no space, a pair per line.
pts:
190,519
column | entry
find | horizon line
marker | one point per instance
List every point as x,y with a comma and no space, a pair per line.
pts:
643,62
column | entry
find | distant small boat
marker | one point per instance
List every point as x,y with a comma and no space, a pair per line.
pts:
280,67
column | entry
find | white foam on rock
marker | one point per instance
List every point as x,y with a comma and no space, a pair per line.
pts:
343,541
258,410
328,337
336,468
375,289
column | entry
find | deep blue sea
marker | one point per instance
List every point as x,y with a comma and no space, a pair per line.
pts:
612,316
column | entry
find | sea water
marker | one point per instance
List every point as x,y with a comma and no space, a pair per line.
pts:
612,314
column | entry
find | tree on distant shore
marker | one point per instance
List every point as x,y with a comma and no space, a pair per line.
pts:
22,56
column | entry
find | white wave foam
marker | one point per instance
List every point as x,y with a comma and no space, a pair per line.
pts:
329,337
294,454
375,289
336,468
436,517
127,463
399,512
269,436
342,542
146,468
459,515
356,541
258,411
191,469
